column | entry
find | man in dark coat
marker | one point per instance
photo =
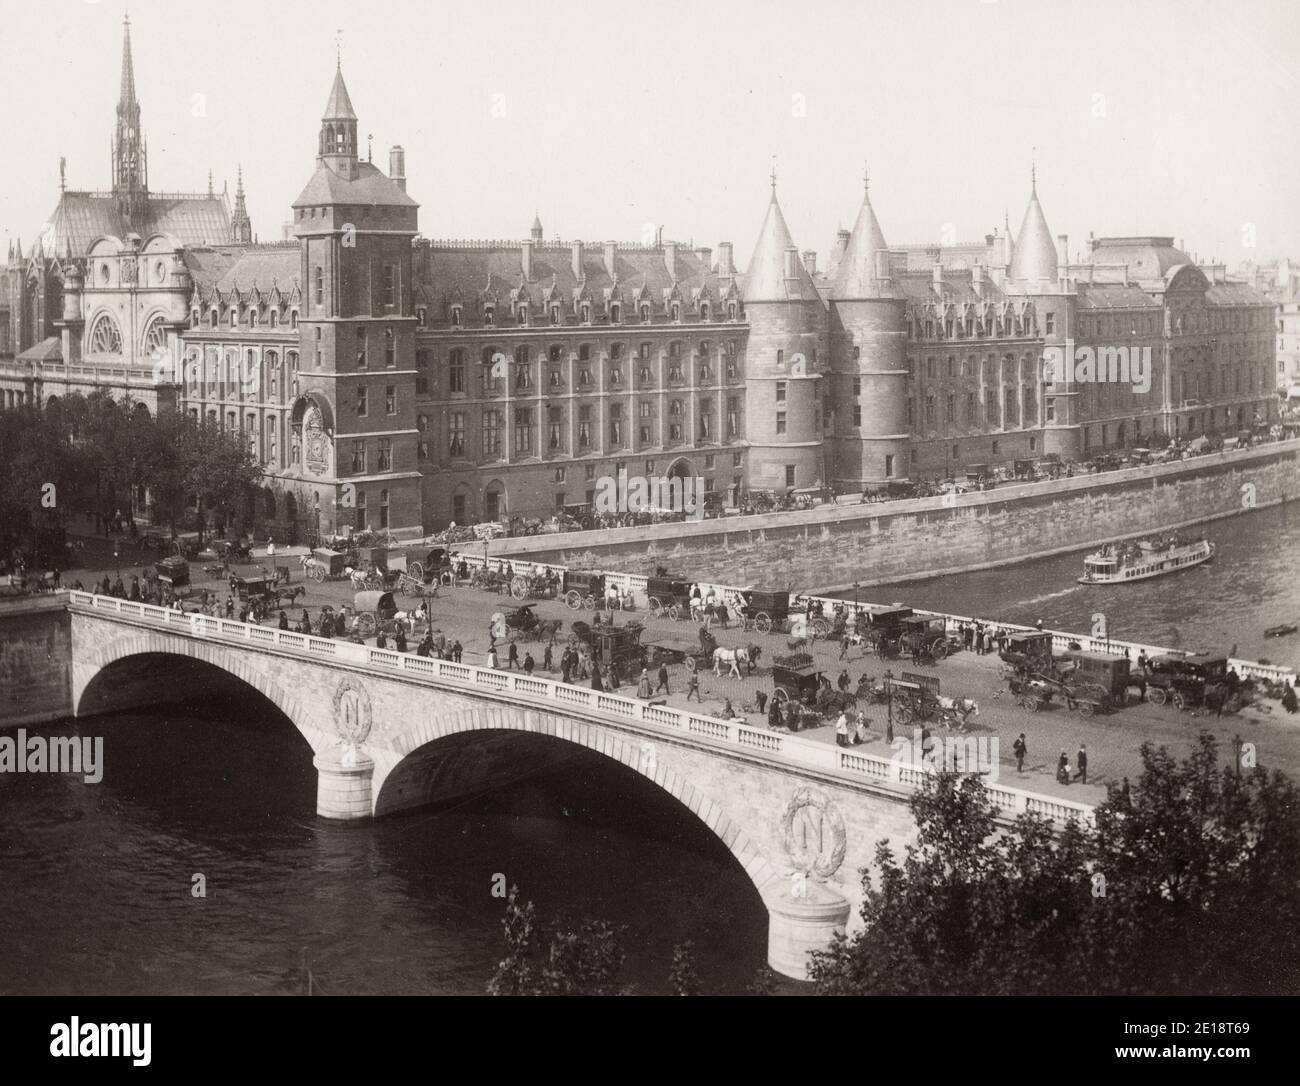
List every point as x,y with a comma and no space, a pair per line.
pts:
1083,763
663,679
1020,749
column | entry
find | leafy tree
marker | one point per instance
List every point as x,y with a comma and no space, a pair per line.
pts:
1188,884
585,961
682,976
219,468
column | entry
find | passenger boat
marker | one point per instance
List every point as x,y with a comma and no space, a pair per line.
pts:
1138,560
1281,631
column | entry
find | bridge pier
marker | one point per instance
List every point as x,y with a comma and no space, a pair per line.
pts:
343,784
803,915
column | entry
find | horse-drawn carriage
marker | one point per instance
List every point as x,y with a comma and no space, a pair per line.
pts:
917,700
173,571
262,594
1028,652
617,645
324,564
373,611
523,622
669,597
770,611
537,586
795,678
583,590
885,628
925,637
1185,680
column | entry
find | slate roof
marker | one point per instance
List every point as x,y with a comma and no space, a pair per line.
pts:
1034,259
48,350
372,187
219,271
856,273
765,279
339,107
81,217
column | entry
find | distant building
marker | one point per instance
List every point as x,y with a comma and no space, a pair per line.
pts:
393,382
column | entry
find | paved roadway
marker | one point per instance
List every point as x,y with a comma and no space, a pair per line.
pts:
1112,740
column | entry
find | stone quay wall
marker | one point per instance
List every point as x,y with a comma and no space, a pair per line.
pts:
35,660
834,546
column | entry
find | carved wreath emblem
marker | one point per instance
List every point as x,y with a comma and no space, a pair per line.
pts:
352,717
813,833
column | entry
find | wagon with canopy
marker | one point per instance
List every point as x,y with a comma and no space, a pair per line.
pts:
925,636
374,611
583,589
770,611
669,596
884,630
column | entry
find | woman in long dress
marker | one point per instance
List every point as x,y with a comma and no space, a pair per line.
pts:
643,685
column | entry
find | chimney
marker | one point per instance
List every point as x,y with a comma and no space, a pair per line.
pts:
397,165
670,258
725,260
1126,274
526,257
1062,256
977,277
705,255
611,248
937,277
792,263
810,261
578,273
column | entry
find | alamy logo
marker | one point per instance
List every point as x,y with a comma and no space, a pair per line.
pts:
638,494
57,754
1088,366
119,1039
960,754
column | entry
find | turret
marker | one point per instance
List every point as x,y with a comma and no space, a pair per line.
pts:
397,166
785,359
338,131
241,227
869,337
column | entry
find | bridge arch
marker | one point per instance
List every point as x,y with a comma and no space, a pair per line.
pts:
405,774
154,684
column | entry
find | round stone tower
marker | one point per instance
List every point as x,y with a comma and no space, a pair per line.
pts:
786,357
869,352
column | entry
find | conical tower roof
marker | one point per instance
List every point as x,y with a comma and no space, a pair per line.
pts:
1035,251
339,107
765,280
856,277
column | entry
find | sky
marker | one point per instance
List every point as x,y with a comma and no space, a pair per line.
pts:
1173,117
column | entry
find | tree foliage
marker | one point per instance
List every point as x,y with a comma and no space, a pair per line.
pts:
585,960
1187,884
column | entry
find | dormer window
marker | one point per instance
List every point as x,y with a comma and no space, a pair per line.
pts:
455,316
645,314
212,317
615,313
677,312
234,317
293,319
489,314
521,314
194,318
733,311
586,314
275,318
555,314
704,311
252,318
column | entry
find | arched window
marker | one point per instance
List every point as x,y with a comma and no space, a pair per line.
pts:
455,316
293,319
615,313
252,318
586,313
212,317
275,318
155,339
234,316
645,314
704,311
105,336
677,311
194,317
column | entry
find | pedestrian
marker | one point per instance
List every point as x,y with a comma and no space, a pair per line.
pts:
564,669
512,656
1063,768
547,663
492,661
842,730
723,616
456,650
663,679
843,682
425,647
135,589
643,685
1020,748
284,621
988,641
596,684
380,642
774,714
230,606
694,688
1289,700
529,663
728,713
1082,761
761,699
844,645
860,729
400,638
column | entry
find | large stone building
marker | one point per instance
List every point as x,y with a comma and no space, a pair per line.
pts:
392,381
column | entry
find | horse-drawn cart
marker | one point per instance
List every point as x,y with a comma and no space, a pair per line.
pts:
669,597
583,590
795,678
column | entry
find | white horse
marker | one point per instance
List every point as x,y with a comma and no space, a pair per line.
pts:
962,708
733,658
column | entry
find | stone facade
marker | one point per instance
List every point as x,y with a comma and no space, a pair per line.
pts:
396,383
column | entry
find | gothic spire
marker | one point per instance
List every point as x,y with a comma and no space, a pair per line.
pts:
127,97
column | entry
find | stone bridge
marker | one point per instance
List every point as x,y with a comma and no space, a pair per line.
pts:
390,731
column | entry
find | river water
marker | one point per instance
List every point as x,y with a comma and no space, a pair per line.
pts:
95,880
1252,583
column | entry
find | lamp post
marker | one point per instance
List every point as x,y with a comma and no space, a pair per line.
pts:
889,707
116,562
